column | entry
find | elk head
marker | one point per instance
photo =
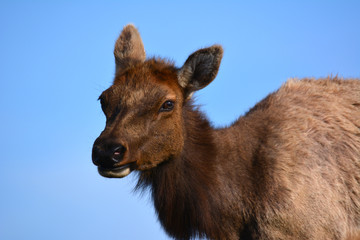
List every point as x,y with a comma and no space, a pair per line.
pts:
144,106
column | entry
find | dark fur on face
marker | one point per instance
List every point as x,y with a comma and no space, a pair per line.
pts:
287,169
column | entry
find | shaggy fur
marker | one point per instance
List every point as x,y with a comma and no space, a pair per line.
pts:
287,169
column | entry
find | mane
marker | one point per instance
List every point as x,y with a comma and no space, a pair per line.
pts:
183,186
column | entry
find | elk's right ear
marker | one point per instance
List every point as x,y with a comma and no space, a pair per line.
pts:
129,47
200,69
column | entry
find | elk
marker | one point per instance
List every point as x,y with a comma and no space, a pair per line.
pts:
287,169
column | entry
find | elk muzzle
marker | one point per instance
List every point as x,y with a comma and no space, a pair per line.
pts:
111,159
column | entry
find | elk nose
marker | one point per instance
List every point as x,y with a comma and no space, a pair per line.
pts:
107,156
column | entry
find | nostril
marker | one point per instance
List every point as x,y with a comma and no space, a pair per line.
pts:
118,153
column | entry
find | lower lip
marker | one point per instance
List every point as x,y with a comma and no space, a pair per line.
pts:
119,172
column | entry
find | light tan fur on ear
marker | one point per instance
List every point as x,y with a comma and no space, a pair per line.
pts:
200,69
129,47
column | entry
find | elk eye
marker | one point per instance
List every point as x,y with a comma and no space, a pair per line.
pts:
167,106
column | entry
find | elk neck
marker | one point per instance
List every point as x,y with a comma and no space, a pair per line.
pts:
192,190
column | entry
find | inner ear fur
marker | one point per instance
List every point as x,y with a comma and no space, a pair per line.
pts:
129,47
200,69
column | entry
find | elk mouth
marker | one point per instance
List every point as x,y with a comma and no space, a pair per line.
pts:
116,172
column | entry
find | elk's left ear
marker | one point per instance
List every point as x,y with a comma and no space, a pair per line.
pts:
200,69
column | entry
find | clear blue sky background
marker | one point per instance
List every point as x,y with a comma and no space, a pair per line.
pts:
56,58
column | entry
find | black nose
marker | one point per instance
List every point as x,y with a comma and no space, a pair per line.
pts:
107,155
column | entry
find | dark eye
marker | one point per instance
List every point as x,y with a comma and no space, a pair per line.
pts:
167,106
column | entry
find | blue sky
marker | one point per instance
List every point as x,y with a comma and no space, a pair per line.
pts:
56,58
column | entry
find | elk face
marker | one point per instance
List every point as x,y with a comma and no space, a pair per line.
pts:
144,124
144,106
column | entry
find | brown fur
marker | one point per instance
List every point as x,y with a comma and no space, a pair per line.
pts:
288,169
354,237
